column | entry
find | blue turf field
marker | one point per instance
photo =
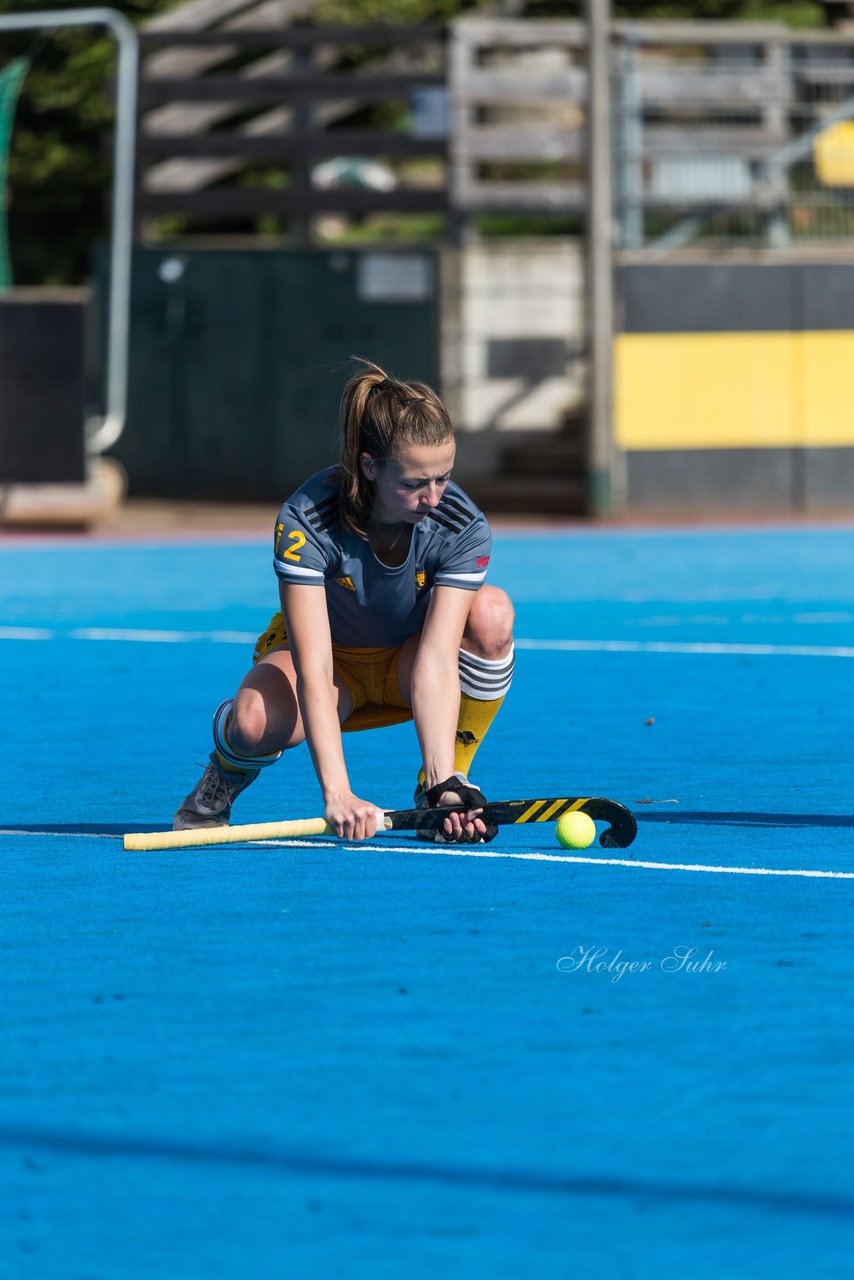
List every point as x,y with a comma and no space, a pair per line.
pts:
323,1062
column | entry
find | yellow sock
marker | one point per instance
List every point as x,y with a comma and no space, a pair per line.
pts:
478,676
472,727
473,724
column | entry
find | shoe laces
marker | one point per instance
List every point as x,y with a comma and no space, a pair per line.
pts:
214,792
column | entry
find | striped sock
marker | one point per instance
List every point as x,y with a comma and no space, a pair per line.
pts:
484,683
478,677
483,686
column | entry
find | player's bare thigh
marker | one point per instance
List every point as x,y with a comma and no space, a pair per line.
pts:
488,634
266,716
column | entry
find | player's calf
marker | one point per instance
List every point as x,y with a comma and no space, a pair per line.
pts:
486,663
227,774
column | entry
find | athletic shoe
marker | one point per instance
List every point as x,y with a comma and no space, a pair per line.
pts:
209,803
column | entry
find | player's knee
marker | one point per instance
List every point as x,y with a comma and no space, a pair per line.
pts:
249,729
489,630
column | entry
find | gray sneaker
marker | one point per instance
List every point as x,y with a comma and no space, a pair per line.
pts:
209,803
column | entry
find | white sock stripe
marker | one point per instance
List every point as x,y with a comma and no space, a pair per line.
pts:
228,754
486,673
488,664
479,694
485,679
479,682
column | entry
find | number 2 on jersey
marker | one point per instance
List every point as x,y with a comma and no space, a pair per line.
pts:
298,539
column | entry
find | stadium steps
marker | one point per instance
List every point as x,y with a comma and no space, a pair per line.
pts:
540,473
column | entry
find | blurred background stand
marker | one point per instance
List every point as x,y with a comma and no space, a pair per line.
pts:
51,442
625,260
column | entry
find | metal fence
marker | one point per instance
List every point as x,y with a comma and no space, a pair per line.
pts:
723,133
732,135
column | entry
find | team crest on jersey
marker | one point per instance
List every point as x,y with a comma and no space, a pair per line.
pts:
420,579
346,582
482,562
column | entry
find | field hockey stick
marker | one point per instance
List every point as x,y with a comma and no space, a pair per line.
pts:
620,832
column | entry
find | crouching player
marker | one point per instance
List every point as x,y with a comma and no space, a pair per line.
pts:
384,617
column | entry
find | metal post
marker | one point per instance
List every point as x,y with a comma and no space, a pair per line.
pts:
605,492
630,148
105,432
776,120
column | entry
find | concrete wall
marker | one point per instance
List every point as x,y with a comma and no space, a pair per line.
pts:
513,333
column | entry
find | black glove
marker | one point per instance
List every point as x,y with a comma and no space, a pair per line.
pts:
470,798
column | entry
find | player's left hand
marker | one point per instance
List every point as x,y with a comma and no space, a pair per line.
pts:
465,826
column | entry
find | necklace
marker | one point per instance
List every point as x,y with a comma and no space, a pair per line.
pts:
387,551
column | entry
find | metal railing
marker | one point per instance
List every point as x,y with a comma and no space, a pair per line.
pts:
102,433
723,133
732,136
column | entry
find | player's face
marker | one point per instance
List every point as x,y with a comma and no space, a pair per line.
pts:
410,485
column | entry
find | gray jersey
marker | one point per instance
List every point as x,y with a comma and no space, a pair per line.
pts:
370,604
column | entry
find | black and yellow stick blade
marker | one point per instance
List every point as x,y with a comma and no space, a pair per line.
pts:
620,832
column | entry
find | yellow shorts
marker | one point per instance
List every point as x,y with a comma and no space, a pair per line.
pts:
369,674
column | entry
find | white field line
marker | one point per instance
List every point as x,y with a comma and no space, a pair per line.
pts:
26,633
137,635
60,835
691,647
714,648
447,851
143,636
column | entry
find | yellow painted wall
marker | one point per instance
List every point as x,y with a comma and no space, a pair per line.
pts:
733,390
828,380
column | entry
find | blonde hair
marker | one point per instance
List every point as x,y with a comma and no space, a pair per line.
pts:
379,414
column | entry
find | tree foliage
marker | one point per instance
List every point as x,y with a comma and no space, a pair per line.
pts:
59,166
60,163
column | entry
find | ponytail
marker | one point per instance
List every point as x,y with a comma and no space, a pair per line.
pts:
379,414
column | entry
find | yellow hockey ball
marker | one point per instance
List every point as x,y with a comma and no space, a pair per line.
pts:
575,830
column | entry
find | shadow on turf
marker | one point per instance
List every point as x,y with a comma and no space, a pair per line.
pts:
706,819
120,829
671,816
78,828
304,1164
116,829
